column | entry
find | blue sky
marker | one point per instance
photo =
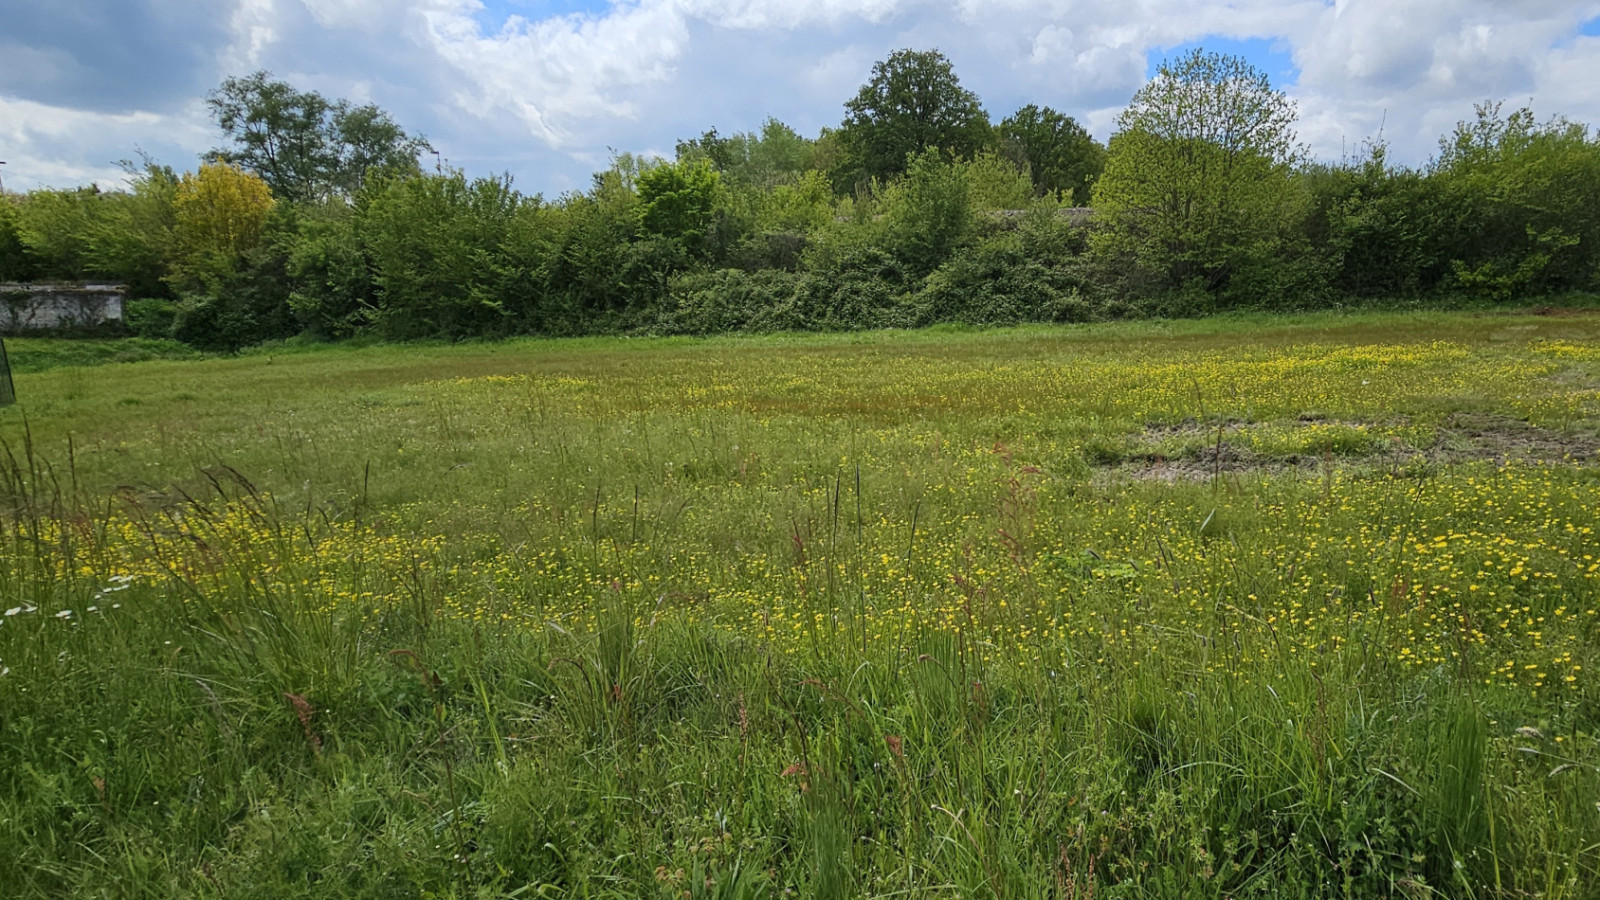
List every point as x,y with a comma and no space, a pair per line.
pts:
545,89
1271,55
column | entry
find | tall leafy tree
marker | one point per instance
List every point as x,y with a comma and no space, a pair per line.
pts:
1063,158
434,242
303,145
1518,203
1197,182
913,102
677,200
219,213
16,264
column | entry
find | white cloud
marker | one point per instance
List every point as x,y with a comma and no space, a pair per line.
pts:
558,71
56,146
544,97
252,27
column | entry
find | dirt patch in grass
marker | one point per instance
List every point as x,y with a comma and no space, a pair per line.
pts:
1462,437
1564,312
1476,436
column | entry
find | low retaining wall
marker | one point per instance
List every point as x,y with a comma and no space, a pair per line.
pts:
38,307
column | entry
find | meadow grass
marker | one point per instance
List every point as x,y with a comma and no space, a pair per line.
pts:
1296,607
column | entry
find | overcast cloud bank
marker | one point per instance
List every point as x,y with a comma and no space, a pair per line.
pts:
545,90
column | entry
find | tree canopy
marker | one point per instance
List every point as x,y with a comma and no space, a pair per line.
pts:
913,102
914,211
303,145
1061,156
1197,178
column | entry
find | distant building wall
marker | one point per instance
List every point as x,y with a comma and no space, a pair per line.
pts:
36,307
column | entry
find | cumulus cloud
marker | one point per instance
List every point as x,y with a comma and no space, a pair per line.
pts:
516,86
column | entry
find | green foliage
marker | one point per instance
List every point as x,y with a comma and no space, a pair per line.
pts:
912,103
775,156
595,273
243,298
433,241
133,241
730,300
995,183
1063,159
804,207
118,236
305,146
57,228
1379,225
1197,185
150,318
1202,203
333,291
1519,198
1024,275
756,617
856,288
929,212
16,264
677,202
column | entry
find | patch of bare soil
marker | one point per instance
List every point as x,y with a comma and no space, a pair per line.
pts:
1564,312
1464,437
1476,436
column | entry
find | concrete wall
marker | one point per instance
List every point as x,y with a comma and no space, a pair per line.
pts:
34,307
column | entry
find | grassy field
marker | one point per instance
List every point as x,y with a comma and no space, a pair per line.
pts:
1232,608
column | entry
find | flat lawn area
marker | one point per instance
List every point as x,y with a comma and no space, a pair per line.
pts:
1278,607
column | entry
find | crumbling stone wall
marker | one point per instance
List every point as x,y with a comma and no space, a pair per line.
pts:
38,307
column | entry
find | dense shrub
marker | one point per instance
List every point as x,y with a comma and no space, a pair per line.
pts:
730,300
915,212
999,283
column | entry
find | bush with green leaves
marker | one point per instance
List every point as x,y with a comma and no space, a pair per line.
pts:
1198,180
16,262
863,287
433,241
999,282
333,294
929,212
1520,200
730,300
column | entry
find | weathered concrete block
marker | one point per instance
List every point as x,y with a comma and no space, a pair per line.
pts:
36,307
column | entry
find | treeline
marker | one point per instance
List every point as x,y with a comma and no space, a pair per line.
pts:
318,217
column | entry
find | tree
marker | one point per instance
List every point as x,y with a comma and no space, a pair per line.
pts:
303,145
133,238
677,201
777,155
1518,204
435,243
1197,184
1061,156
996,183
219,213
121,236
16,263
55,228
803,207
913,102
930,212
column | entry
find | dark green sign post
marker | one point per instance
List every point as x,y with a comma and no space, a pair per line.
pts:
8,391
